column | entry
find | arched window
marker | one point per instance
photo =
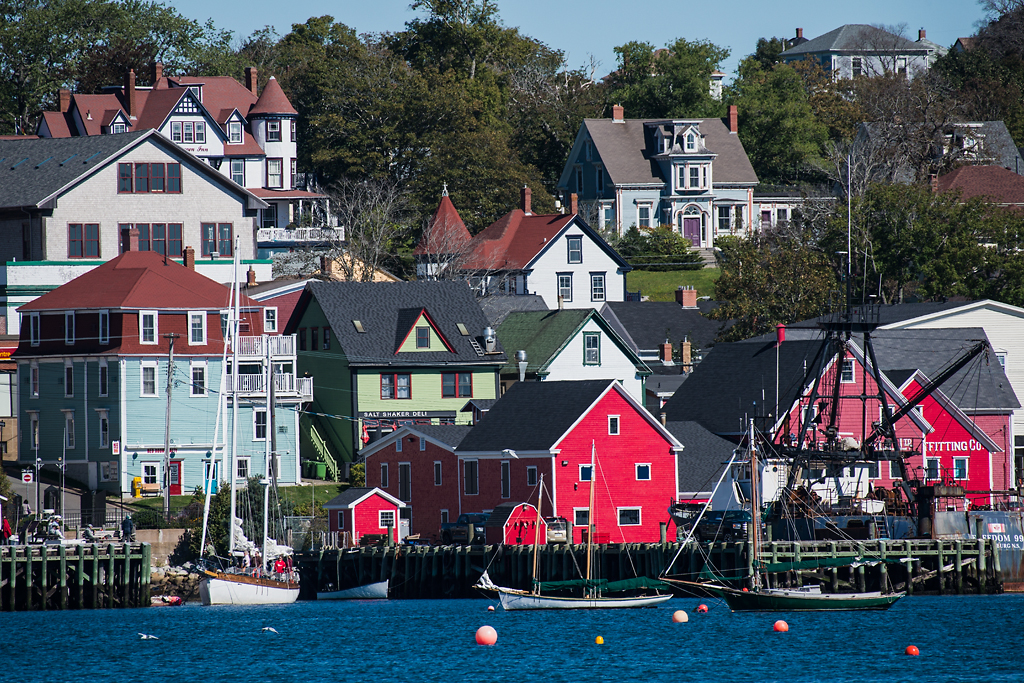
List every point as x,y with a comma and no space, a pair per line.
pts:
691,142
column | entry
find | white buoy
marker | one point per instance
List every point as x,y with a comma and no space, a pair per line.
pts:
680,617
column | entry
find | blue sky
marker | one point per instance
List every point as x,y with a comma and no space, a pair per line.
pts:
582,28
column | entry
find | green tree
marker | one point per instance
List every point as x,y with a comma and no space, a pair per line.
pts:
660,248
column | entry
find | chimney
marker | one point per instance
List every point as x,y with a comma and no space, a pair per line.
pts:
130,239
935,183
665,352
686,297
251,79
920,35
574,204
190,258
525,198
734,124
664,419
156,72
129,93
799,33
64,100
561,302
250,277
685,355
618,114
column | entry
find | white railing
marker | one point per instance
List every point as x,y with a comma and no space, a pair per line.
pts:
284,383
305,388
280,345
246,384
299,235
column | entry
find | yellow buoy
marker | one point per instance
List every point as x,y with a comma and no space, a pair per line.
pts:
599,640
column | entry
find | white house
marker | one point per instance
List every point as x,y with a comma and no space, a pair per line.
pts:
854,50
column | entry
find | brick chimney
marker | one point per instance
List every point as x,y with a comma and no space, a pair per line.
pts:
686,355
328,268
618,114
250,277
525,200
129,94
935,183
686,297
251,80
190,258
734,119
920,34
665,352
574,204
799,33
156,72
130,239
63,100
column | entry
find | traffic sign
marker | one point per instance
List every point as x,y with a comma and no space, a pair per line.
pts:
27,476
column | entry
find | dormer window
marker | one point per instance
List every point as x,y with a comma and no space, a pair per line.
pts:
589,148
235,132
118,128
691,142
194,89
663,144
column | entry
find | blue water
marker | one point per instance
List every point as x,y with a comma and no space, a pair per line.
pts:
960,639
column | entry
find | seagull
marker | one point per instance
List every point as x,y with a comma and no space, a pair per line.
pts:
144,636
269,628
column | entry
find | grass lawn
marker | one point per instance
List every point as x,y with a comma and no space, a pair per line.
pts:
298,494
661,285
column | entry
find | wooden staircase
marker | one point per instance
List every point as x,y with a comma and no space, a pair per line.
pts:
323,452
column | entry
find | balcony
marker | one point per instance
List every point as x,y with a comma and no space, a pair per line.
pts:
280,345
270,237
285,385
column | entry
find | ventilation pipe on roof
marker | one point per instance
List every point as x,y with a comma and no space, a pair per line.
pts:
490,340
521,359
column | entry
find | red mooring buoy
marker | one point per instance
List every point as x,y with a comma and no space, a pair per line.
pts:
912,650
781,626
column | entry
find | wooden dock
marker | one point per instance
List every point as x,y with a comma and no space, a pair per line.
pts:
917,566
55,577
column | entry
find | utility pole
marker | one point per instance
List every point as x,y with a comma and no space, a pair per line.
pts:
167,425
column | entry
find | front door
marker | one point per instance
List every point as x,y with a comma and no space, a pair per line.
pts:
175,482
691,230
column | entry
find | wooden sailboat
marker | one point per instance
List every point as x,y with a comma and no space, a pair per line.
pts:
593,590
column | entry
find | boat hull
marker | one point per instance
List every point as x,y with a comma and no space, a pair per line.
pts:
524,601
371,591
780,600
228,589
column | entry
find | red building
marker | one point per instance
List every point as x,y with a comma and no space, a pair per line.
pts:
360,511
515,524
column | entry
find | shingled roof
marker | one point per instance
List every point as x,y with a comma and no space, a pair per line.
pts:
383,310
993,183
446,233
272,100
703,458
856,38
646,324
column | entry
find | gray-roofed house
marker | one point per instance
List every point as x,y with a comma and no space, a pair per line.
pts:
393,353
863,50
690,173
497,307
67,205
702,461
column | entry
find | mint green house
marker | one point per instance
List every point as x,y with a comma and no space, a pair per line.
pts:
388,354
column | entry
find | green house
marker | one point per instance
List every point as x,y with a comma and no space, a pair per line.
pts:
388,354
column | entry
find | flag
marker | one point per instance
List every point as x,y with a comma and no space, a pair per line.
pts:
366,434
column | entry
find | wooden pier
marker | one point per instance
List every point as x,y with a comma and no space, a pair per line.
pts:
917,566
55,577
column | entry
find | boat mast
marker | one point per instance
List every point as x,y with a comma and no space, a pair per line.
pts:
755,505
536,537
234,408
267,451
590,509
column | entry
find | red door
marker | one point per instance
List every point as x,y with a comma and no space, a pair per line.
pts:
691,230
175,478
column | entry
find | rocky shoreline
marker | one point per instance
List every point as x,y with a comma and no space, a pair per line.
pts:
177,581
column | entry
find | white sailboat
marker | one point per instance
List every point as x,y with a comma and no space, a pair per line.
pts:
593,590
370,591
235,586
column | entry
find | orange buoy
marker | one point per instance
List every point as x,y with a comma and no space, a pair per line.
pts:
912,650
490,608
781,626
485,635
702,608
680,617
745,589
599,640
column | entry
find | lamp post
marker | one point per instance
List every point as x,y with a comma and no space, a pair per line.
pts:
39,463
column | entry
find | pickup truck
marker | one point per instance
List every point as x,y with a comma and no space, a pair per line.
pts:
457,532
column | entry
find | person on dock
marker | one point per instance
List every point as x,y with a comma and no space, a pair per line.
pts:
5,532
127,529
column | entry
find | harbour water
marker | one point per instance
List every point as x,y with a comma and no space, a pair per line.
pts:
962,638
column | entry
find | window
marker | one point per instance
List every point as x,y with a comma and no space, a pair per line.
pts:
176,131
174,178
470,477
724,216
341,519
291,176
849,375
149,379
578,172
931,468
69,429
217,239
694,177
69,381
141,178
585,472
242,472
104,320
200,132
398,445
147,327
259,424
575,249
235,132
444,516
384,475
198,379
599,178
437,473
327,339
273,131
422,337
581,517
597,286
69,327
104,381
269,217
104,424
629,516
34,430
643,472
124,178
274,178
591,348
189,131
33,329
506,479
404,482
531,475
565,286
395,386
156,178
83,240
196,327
691,142
423,444
386,519
302,340
858,66
456,385
314,339
292,126
149,472
873,470
34,380
613,425
643,216
270,322
960,468
238,171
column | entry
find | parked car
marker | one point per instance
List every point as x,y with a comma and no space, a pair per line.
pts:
457,532
558,529
723,525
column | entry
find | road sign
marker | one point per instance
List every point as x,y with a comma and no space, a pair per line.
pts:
27,476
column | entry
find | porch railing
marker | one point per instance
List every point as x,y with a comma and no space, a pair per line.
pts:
284,383
264,235
280,345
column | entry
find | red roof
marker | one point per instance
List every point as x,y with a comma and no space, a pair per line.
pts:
514,240
57,124
139,280
273,101
95,109
221,95
446,232
995,183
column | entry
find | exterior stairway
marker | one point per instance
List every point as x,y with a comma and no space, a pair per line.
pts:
322,451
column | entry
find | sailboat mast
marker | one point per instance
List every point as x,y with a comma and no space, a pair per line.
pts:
755,506
211,473
590,506
267,451
234,409
536,536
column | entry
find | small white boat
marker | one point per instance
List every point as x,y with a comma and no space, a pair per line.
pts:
513,600
218,588
371,591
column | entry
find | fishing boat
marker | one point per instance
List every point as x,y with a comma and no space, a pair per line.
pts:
594,590
370,591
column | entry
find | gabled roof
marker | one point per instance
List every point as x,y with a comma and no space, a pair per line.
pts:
138,280
445,436
627,158
994,183
446,232
535,416
378,306
357,494
856,38
272,101
407,319
95,109
544,334
703,458
502,511
221,95
646,324
160,103
56,123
